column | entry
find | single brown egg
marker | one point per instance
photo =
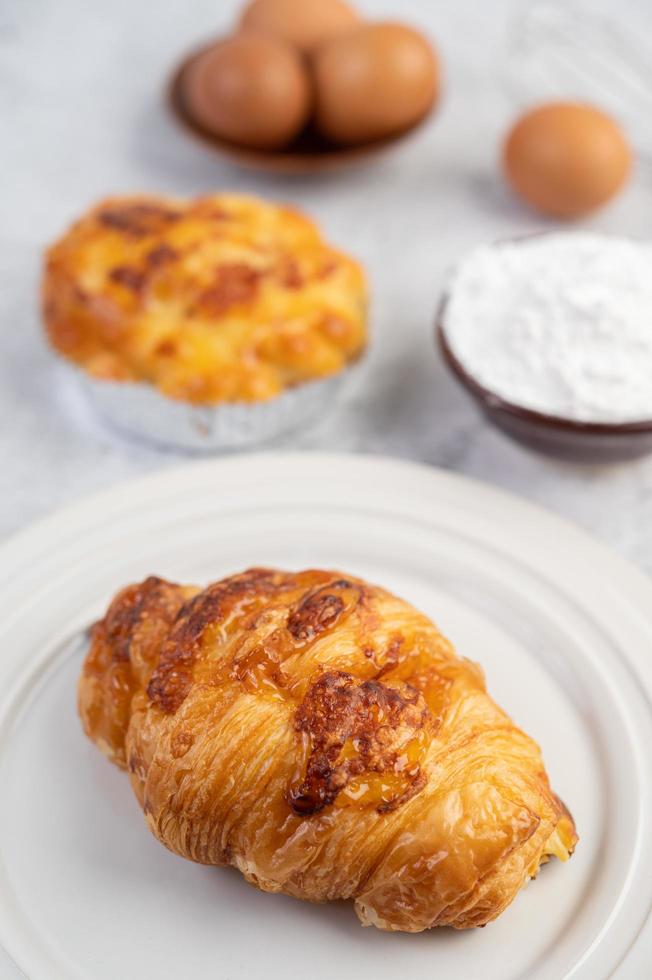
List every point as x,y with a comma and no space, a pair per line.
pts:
373,82
566,159
303,23
250,89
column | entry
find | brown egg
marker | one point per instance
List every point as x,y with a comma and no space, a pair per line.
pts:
566,159
251,90
375,81
304,23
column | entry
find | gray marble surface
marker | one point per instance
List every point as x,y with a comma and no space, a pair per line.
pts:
82,116
80,103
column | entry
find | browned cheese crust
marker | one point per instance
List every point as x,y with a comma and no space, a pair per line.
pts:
322,736
219,299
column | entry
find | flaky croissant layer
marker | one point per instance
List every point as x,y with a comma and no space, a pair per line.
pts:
322,736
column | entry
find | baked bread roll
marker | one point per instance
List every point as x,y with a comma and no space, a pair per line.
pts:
322,736
224,298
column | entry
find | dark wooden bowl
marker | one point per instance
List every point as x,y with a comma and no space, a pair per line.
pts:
578,442
309,153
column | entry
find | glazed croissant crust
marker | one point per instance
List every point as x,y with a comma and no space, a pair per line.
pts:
322,736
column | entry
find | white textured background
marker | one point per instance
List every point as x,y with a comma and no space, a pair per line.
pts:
81,109
82,116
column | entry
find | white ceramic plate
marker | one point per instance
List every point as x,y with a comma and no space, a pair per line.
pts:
562,626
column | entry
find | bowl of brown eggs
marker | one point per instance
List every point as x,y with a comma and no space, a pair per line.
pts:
301,87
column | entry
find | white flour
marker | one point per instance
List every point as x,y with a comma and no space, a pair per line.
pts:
561,323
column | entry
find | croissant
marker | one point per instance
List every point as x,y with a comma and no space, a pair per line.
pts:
322,736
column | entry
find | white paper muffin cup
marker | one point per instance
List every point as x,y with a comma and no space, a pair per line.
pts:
140,411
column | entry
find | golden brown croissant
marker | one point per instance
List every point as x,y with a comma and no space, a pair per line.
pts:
323,737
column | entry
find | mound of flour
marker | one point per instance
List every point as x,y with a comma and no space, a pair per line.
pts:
561,323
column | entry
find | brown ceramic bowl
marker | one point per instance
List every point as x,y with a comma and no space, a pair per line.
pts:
310,153
578,442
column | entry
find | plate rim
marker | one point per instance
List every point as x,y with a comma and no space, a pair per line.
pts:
25,538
